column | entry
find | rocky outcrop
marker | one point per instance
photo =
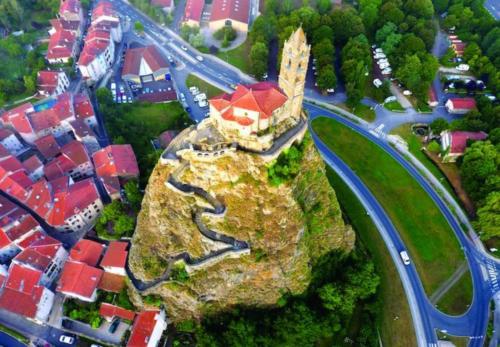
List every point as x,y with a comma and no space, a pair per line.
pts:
287,227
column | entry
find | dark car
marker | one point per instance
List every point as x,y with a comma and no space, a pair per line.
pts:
67,324
114,326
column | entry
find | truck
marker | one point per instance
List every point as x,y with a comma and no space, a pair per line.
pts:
404,257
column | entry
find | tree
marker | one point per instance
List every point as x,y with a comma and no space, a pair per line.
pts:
326,78
104,96
197,40
324,6
382,33
259,59
124,225
434,147
134,195
139,27
488,216
389,12
346,24
391,42
480,163
420,8
441,5
324,32
369,14
439,125
29,84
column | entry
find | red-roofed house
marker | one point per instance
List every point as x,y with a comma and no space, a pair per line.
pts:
71,10
34,167
84,109
52,83
46,255
63,45
193,12
460,105
9,140
109,312
48,146
85,135
16,233
147,329
115,258
454,143
76,206
97,55
79,280
230,12
73,161
24,295
87,251
166,5
144,64
114,163
40,198
249,110
105,17
17,119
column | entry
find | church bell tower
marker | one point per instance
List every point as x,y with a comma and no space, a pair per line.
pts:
292,78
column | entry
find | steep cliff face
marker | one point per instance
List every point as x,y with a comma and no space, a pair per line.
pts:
287,227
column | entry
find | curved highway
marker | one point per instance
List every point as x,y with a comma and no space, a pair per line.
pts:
482,268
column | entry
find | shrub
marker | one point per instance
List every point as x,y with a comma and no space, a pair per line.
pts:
434,147
287,166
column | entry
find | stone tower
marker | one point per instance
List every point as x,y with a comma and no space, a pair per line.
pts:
294,62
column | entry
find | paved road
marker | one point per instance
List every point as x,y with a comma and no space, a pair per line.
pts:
493,7
484,270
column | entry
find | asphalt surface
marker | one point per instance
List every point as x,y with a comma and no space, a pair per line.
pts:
493,7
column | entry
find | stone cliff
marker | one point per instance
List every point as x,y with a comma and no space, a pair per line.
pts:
287,228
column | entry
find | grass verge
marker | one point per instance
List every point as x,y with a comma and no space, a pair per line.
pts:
203,86
18,336
362,111
458,299
394,331
394,106
421,225
239,56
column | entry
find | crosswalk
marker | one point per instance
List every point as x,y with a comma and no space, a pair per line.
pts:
493,275
378,131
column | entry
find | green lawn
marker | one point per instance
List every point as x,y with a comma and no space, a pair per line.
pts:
430,240
414,146
394,106
394,332
362,111
204,86
458,299
239,56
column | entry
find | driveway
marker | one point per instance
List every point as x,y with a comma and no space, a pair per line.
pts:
403,100
102,333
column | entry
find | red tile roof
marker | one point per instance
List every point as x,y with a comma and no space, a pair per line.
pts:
91,50
48,146
103,8
79,279
81,129
32,164
61,44
40,198
47,81
116,160
116,255
142,329
71,6
72,155
74,200
44,120
110,311
39,255
193,10
459,140
263,97
149,54
4,133
111,184
83,107
463,103
3,152
87,251
63,24
237,10
22,293
26,225
11,164
35,237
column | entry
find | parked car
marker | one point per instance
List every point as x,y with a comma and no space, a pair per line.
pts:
384,65
113,86
407,92
390,98
379,56
184,48
114,325
182,97
200,97
199,58
387,71
377,83
67,339
124,98
194,90
463,67
379,50
202,103
330,90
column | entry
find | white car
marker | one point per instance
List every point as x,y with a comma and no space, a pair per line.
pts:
389,99
200,97
184,48
203,103
377,83
380,56
194,90
383,66
66,339
383,61
379,50
113,86
122,90
330,90
387,71
183,97
265,76
405,257
199,58
463,67
124,99
407,92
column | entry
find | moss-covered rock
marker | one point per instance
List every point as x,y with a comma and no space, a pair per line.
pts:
287,226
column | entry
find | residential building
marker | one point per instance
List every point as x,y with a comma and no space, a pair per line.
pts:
234,13
84,134
97,55
460,105
454,143
144,64
63,46
147,329
16,230
34,167
104,17
48,146
73,161
110,312
79,281
46,255
24,295
17,120
52,83
193,12
87,251
71,11
84,109
115,258
166,5
10,142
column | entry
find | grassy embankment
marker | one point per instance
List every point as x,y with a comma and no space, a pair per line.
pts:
239,56
203,86
427,235
393,331
18,336
362,111
394,106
